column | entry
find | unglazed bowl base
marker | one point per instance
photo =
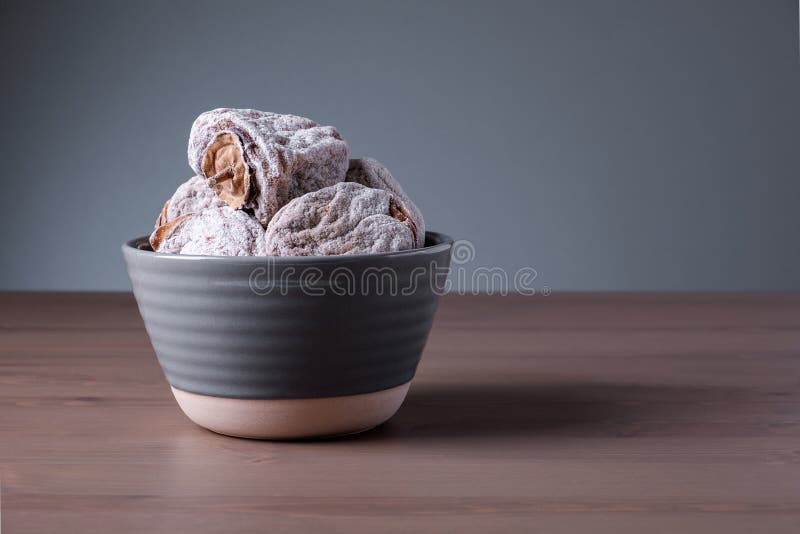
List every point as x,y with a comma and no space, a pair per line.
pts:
291,418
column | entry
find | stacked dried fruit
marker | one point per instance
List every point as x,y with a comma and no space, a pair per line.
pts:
281,185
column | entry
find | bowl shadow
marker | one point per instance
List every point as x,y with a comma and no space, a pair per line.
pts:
484,411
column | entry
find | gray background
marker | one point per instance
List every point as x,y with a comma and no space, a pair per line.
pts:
608,144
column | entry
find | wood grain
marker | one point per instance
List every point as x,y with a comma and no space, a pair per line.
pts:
567,413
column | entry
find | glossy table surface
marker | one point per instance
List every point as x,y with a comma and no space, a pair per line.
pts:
566,413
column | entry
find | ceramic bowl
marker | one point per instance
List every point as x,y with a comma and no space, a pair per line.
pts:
289,347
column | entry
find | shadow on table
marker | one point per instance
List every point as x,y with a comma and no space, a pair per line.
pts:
564,409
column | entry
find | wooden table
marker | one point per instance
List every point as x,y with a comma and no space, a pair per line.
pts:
567,413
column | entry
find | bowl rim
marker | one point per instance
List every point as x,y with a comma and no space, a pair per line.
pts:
442,243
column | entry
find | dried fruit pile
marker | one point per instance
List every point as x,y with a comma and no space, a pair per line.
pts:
281,185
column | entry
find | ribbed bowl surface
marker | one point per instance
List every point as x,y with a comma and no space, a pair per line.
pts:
280,327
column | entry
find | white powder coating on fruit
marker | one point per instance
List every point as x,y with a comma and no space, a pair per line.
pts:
372,173
346,218
286,155
192,196
220,231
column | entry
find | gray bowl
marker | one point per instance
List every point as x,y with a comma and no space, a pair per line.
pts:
289,347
